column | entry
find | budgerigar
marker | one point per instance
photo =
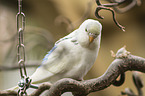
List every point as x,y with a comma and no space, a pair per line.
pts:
72,56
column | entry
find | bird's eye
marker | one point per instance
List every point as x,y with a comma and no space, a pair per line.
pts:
86,30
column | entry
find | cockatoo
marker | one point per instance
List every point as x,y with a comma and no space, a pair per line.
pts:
72,56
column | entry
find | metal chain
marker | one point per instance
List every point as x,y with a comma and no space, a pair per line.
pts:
25,81
21,48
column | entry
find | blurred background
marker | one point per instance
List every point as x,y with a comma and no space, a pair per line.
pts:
47,21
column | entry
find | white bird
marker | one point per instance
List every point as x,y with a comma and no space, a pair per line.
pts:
72,56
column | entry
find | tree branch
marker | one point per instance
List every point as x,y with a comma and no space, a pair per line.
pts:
8,93
105,7
117,67
123,62
126,8
42,88
115,4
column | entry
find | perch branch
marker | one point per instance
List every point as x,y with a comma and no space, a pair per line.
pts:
121,81
117,67
124,61
8,93
42,88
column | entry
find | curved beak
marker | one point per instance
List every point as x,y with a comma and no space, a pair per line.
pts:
91,39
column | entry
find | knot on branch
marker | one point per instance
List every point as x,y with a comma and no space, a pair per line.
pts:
121,53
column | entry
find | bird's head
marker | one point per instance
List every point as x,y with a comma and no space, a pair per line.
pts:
92,28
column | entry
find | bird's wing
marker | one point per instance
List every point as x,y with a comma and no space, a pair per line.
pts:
54,62
57,50
69,36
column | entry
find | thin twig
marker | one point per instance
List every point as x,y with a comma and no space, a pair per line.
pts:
105,7
127,7
113,14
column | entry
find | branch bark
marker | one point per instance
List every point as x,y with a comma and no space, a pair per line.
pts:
123,62
117,67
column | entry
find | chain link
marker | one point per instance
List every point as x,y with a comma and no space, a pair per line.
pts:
21,48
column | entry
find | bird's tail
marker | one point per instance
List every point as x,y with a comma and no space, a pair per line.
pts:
15,88
40,75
